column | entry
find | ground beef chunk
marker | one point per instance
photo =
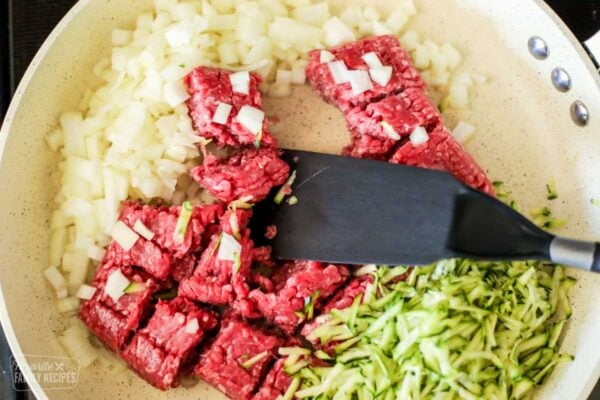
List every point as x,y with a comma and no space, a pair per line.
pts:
221,364
114,322
275,384
370,147
208,87
294,285
403,112
216,281
159,255
345,297
390,53
250,173
442,152
157,351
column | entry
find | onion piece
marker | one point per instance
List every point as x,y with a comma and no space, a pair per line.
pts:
228,248
123,235
339,72
360,81
298,76
55,278
381,75
175,93
389,130
62,293
143,230
326,57
76,343
283,77
96,253
67,304
240,82
419,136
116,285
86,292
222,112
336,32
372,60
463,132
251,118
192,326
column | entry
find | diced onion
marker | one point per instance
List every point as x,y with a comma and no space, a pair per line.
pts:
240,82
96,253
283,77
116,285
419,136
228,248
396,21
298,76
175,93
120,37
372,60
75,342
68,304
339,71
62,293
326,57
192,326
381,75
55,278
360,82
336,32
123,235
280,91
143,230
222,113
85,292
251,118
389,130
463,132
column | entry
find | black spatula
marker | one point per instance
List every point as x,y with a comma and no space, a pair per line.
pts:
356,211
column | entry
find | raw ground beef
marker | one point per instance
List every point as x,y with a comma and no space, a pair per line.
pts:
275,383
158,351
251,172
442,152
214,281
370,147
404,112
294,284
390,53
159,255
114,322
210,86
221,364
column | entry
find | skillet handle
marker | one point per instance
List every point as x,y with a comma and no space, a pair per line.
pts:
575,253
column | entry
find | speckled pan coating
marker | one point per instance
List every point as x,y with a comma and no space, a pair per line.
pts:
525,137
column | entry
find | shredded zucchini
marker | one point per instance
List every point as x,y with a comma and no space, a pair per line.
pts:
458,329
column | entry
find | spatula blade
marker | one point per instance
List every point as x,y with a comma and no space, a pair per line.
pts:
361,211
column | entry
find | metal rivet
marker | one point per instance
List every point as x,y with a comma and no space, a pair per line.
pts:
538,47
580,113
561,79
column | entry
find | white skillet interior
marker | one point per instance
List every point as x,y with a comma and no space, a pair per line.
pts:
525,137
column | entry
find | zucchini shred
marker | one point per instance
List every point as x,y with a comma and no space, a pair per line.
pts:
457,329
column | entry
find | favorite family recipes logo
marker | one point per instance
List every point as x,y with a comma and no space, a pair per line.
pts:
50,372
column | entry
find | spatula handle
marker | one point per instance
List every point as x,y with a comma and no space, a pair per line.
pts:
575,253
